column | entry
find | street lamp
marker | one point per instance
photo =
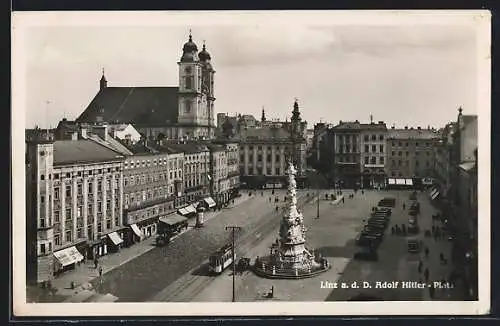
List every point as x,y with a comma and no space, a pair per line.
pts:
233,230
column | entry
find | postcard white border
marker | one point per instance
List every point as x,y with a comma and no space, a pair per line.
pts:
21,21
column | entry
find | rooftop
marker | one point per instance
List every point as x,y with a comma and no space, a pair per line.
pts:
135,105
412,134
82,151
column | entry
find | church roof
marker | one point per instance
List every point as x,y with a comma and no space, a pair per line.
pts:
135,105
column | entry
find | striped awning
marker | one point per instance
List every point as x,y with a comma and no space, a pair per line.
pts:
136,230
210,202
68,256
435,195
115,238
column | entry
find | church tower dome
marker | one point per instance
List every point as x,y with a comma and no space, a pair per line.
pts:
189,50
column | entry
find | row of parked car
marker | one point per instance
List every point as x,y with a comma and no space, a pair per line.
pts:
372,234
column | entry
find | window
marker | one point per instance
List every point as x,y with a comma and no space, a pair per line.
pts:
373,160
393,153
374,148
374,137
393,162
80,210
42,248
68,236
91,187
277,172
399,162
381,160
259,158
57,240
381,148
367,148
108,224
427,163
79,189
416,144
268,158
99,227
79,233
56,193
68,175
189,82
366,137
417,163
42,222
42,177
56,217
393,143
428,153
68,213
89,209
268,171
367,159
42,199
381,137
68,191
354,148
99,206
400,144
56,175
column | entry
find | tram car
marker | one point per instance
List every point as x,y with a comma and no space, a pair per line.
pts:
221,259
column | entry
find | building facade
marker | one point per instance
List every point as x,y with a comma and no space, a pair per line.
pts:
374,156
75,205
411,152
347,154
264,153
150,180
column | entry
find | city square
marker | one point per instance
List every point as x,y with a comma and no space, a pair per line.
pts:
170,183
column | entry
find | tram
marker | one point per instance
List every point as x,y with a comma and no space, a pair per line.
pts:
221,259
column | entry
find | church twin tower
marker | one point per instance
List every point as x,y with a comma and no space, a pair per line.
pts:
196,90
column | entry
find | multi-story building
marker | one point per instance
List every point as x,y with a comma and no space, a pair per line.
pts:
410,152
347,154
151,178
442,152
264,153
233,165
74,204
374,155
195,169
219,183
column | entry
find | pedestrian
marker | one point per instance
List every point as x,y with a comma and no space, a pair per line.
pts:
420,266
343,200
392,230
261,193
426,252
441,257
426,274
362,192
96,262
100,271
404,206
269,199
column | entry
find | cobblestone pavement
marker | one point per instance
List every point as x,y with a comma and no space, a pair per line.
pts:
333,235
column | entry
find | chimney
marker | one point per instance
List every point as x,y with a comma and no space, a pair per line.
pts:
381,122
406,127
411,128
83,131
102,131
393,127
419,128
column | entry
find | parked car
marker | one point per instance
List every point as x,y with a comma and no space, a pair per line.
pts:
413,245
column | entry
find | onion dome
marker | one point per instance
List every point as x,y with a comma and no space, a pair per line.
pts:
189,50
204,55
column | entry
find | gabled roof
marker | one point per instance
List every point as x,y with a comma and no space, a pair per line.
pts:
135,105
82,151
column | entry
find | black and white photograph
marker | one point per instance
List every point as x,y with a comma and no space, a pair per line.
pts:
251,163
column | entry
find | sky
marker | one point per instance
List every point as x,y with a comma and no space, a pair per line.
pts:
403,74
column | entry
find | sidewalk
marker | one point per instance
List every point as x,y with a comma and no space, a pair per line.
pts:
85,272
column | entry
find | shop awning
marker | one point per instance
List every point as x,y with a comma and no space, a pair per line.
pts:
210,202
435,195
115,238
136,230
190,209
433,192
400,181
172,219
68,256
409,182
183,211
391,181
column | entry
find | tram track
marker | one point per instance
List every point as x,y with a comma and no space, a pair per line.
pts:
191,285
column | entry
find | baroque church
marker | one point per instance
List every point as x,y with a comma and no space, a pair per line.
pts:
180,112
